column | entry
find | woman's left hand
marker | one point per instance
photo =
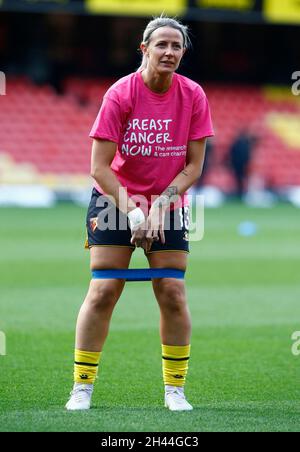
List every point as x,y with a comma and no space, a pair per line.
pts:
155,225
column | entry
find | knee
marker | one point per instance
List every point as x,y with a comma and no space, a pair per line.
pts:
172,297
102,298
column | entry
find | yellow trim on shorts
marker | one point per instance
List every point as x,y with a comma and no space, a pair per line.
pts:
88,247
110,246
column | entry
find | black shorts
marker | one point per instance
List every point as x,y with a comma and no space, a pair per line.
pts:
108,226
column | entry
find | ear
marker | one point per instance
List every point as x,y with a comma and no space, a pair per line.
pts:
143,48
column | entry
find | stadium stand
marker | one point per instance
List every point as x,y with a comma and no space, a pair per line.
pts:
44,136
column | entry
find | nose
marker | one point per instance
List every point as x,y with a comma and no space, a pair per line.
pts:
169,51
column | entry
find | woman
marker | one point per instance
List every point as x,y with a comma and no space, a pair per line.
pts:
149,137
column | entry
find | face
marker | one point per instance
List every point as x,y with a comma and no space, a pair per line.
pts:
165,50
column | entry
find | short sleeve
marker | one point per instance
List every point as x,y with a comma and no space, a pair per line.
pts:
108,124
201,123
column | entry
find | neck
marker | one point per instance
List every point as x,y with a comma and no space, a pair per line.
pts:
157,82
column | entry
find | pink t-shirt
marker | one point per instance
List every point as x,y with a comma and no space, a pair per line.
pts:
152,131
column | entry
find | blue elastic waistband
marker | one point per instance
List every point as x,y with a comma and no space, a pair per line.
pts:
139,274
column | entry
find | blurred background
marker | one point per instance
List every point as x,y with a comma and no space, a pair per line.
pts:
59,57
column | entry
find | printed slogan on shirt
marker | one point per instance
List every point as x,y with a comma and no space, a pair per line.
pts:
150,137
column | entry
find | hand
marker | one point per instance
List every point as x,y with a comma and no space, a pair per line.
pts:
138,237
156,224
137,224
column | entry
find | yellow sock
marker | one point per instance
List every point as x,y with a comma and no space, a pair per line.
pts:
175,360
86,366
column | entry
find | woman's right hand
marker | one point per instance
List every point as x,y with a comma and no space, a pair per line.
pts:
138,226
138,237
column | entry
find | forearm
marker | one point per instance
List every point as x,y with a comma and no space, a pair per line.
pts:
182,182
192,171
108,181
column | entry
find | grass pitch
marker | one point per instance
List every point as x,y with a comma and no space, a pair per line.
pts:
244,298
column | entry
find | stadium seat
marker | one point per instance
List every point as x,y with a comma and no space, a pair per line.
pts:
51,132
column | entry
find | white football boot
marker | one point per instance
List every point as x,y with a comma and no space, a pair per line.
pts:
175,399
81,397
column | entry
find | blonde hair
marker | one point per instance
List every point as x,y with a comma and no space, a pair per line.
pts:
159,22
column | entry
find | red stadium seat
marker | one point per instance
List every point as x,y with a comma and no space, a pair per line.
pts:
51,131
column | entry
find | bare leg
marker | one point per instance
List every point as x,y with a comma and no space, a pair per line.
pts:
175,320
95,313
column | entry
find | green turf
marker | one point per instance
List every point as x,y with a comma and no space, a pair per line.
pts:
244,297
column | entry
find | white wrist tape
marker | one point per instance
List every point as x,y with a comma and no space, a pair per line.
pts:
136,217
